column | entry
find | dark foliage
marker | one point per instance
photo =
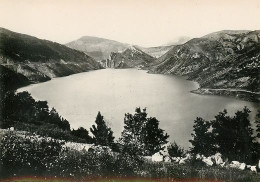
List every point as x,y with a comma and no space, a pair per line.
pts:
22,108
231,136
202,139
83,134
175,150
103,135
142,135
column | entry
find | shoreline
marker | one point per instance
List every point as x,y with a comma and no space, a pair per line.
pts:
245,95
239,94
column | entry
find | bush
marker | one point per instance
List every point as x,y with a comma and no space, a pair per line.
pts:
175,150
28,154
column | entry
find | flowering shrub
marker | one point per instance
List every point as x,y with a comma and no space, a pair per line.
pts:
27,154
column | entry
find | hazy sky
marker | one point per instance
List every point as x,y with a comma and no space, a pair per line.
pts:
142,22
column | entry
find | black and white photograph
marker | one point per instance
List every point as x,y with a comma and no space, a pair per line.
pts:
129,90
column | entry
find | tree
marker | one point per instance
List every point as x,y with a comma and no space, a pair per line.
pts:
202,139
55,118
234,135
154,137
231,136
257,122
142,135
102,134
175,150
82,133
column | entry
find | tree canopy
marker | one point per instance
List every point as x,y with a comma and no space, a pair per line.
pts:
102,134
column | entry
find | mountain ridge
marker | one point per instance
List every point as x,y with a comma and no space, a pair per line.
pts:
132,57
40,60
217,61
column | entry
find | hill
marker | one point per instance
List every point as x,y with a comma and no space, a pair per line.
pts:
223,63
130,58
40,60
98,48
156,51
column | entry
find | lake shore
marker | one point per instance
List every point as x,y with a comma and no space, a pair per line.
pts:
240,94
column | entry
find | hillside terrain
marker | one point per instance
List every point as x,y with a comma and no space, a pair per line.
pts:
98,48
132,57
156,51
40,60
223,63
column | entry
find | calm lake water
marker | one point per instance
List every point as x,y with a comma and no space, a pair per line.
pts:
114,92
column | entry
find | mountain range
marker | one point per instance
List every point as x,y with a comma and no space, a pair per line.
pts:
101,49
223,63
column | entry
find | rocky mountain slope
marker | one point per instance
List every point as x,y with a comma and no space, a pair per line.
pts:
132,57
98,48
156,51
40,60
223,63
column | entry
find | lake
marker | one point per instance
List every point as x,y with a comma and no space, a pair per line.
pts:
114,92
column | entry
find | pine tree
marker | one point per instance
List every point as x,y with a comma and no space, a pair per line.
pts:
131,138
202,139
102,134
142,135
154,137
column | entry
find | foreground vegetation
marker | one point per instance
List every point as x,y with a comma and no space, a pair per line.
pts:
30,156
40,151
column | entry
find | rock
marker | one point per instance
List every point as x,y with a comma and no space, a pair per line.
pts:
78,146
149,158
253,168
198,156
167,159
182,161
242,166
12,129
235,164
208,161
157,157
223,164
188,156
217,158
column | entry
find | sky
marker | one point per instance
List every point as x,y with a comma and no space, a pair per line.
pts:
141,22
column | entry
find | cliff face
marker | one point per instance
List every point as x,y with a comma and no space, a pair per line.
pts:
222,60
40,60
129,58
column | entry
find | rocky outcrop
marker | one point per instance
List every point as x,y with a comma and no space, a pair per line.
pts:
132,57
40,60
227,60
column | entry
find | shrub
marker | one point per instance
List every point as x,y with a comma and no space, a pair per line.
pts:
175,150
28,154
